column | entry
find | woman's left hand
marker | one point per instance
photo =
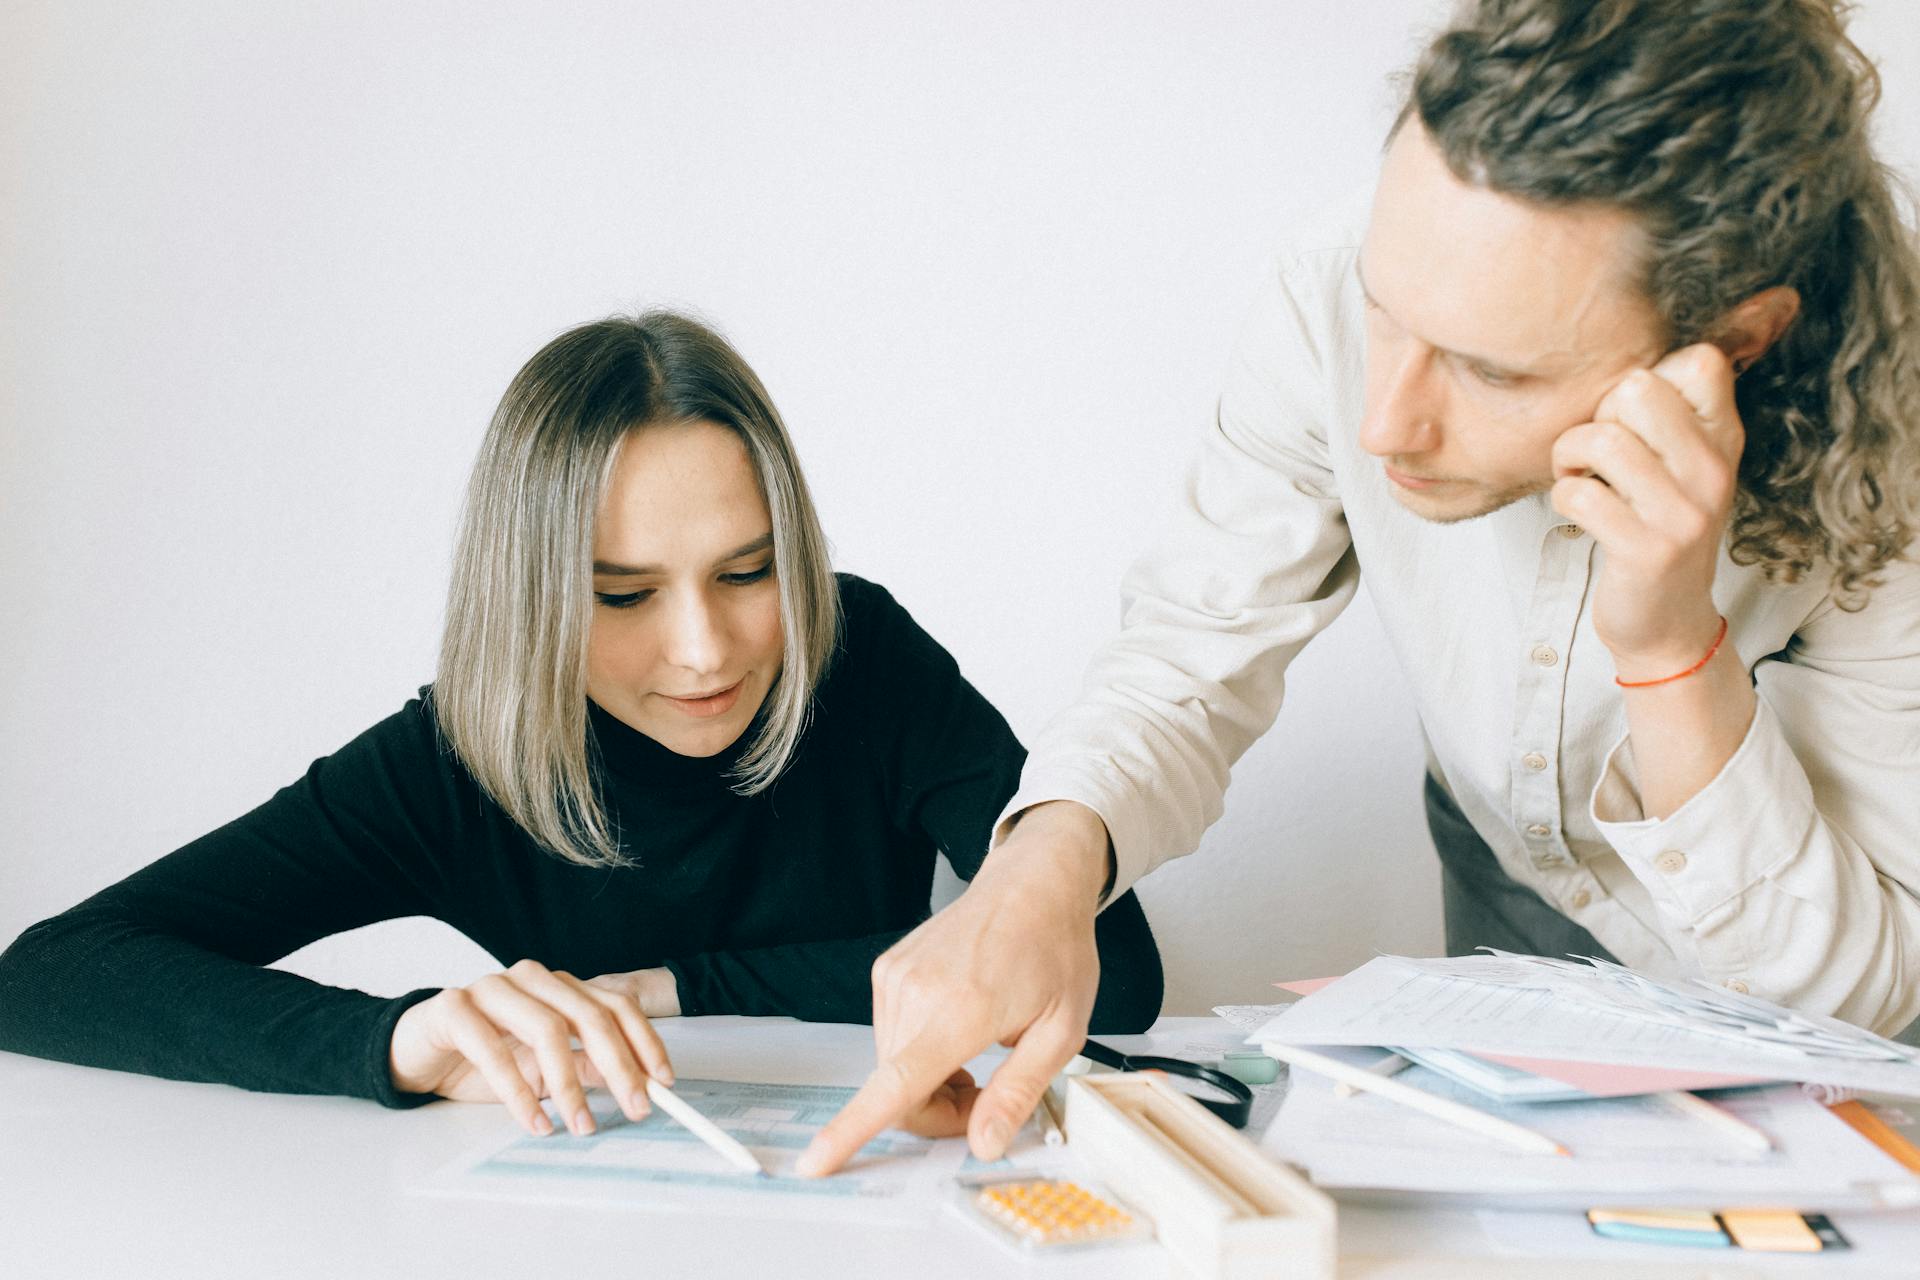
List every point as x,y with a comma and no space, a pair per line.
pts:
944,1115
1652,478
656,991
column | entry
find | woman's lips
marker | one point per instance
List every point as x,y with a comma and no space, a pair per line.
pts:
712,704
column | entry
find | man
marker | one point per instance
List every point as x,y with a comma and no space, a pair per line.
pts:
1613,394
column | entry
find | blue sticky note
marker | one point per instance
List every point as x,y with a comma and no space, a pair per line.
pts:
1661,1235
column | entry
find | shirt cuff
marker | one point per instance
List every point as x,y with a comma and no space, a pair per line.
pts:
690,1003
1123,816
1755,816
380,1056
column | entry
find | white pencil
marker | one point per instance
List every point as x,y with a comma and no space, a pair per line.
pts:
1720,1118
1391,1065
1048,1113
704,1129
1419,1099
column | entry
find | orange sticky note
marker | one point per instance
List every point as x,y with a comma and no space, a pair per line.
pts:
1770,1230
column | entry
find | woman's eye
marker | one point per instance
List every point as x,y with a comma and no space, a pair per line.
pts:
747,578
1491,377
626,601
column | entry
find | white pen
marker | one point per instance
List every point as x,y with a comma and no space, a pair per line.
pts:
1720,1118
1048,1113
704,1129
1439,1108
1391,1065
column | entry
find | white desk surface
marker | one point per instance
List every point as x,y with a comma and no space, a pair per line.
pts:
112,1175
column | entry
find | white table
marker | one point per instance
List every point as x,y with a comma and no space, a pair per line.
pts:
111,1175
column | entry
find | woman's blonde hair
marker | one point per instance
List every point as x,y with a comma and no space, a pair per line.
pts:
1736,131
511,692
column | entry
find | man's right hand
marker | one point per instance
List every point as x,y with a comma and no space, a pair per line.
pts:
1013,962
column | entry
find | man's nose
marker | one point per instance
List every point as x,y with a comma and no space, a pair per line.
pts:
1404,407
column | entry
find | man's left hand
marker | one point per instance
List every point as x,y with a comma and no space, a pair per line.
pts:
1652,478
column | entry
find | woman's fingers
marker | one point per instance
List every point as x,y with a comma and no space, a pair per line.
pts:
512,1035
606,1036
479,1040
641,1038
544,1031
615,1037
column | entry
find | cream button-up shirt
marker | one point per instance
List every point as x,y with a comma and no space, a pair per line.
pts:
1793,874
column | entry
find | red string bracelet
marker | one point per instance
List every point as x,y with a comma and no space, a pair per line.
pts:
1648,684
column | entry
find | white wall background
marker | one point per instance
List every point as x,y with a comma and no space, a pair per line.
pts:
266,268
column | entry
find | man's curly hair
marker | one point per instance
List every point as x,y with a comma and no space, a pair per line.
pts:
1735,131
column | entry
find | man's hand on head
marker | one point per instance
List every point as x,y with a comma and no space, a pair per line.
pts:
1013,962
1652,478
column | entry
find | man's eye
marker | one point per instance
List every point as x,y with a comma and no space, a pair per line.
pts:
626,601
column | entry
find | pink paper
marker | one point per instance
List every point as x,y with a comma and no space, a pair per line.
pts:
1307,986
1612,1080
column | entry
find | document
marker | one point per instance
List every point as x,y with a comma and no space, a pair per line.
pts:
1640,1148
1504,1005
656,1164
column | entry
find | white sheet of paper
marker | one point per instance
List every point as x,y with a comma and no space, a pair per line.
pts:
802,1074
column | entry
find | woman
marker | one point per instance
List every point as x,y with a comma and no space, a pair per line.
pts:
666,748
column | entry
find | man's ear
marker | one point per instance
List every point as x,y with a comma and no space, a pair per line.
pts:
1750,329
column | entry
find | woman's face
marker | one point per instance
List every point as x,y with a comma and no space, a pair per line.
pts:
686,636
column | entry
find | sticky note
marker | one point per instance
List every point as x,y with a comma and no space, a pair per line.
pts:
1770,1231
1697,1229
1669,1219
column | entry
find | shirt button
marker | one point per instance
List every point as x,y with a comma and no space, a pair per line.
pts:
1544,656
1534,761
1671,862
1736,986
1580,900
1571,531
1539,829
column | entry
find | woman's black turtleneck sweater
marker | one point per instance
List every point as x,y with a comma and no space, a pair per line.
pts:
776,903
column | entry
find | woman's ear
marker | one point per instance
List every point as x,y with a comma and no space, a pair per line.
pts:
1751,328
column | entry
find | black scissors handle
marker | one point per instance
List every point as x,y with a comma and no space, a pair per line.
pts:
1236,1108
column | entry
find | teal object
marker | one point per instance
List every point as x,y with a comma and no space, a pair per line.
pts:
1661,1235
1250,1067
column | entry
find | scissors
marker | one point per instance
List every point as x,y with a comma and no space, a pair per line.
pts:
1235,1108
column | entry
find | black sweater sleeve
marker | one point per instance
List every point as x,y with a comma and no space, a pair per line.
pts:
948,762
162,973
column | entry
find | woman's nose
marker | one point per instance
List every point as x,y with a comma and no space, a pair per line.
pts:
696,639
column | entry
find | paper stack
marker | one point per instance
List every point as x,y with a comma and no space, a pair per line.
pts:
1625,1041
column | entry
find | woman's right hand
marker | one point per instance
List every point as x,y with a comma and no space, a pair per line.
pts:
508,1038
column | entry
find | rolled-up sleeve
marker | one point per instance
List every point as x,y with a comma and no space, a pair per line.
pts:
1257,561
1796,870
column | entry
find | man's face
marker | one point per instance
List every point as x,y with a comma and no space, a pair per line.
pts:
1493,325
